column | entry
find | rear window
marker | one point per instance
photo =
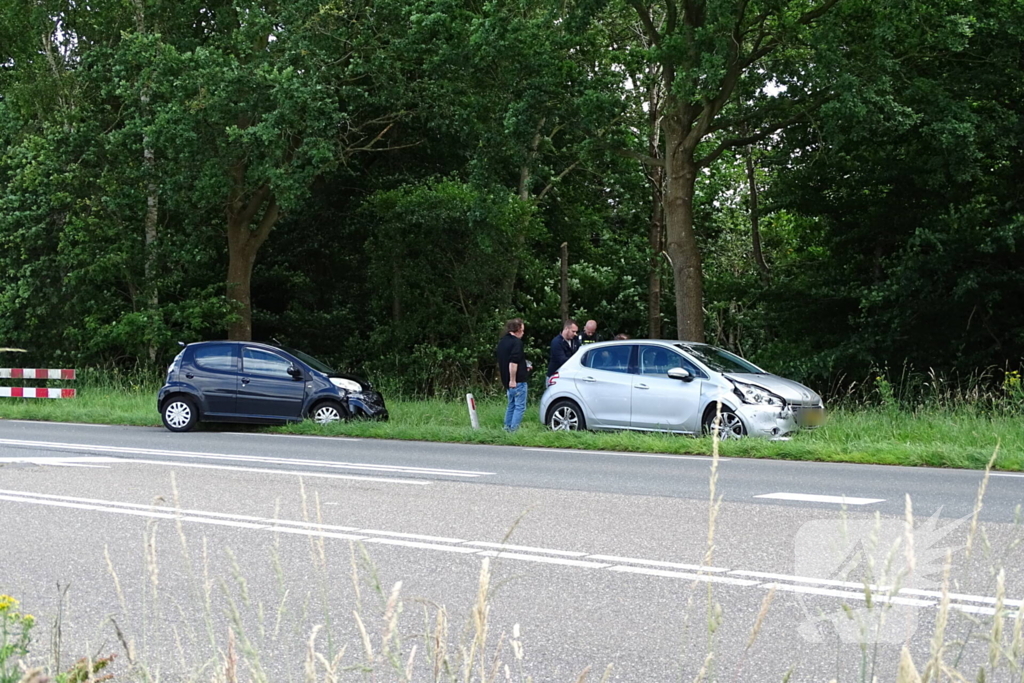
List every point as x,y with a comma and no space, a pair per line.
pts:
215,356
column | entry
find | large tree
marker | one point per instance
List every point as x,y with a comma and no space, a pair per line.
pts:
276,95
734,72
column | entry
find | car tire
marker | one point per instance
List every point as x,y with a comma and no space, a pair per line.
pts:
731,426
180,414
326,412
566,416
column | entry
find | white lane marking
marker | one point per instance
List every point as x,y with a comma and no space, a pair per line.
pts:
82,462
48,422
422,546
260,522
264,470
656,563
419,537
960,596
153,514
401,469
987,611
541,558
623,453
331,531
1004,474
830,592
811,498
527,548
313,532
297,436
55,460
806,579
707,578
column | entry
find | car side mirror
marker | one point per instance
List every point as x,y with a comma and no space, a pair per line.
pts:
680,373
295,372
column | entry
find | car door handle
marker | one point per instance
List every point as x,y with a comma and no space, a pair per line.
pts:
589,379
245,380
189,375
640,386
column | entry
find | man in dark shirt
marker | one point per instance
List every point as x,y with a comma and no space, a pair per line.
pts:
589,334
562,346
512,367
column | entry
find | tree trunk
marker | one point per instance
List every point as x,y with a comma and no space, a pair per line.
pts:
152,194
755,229
243,244
656,234
152,213
396,291
681,240
565,282
655,240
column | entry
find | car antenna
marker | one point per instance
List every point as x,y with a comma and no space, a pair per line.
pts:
276,343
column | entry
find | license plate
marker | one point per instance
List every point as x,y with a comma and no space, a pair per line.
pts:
810,417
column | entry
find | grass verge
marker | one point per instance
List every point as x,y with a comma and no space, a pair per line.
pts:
962,438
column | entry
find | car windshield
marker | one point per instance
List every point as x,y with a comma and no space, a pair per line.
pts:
718,359
317,365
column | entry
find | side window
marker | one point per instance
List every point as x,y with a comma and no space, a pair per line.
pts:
215,357
655,360
610,359
265,363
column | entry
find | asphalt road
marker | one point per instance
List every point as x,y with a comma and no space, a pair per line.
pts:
600,558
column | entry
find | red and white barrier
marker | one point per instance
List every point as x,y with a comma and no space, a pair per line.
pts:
35,373
35,392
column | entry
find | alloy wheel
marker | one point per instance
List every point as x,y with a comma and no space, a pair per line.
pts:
565,419
728,425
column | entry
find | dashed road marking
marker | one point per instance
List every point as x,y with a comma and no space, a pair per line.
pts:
813,498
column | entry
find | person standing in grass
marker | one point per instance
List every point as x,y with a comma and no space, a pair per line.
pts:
562,346
512,366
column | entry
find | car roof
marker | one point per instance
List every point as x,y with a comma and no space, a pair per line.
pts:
671,343
236,342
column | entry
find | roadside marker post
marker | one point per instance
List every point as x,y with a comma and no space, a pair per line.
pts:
36,392
471,404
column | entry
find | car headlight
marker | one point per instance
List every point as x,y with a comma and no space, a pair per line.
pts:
749,393
347,384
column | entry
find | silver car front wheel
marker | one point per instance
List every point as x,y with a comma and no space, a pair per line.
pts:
728,425
328,412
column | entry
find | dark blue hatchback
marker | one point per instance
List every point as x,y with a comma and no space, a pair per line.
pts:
230,381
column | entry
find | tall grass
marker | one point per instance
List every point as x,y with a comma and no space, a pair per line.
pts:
225,633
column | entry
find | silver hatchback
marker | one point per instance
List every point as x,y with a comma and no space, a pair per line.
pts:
673,386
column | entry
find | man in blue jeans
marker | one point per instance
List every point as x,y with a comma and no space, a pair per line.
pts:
512,366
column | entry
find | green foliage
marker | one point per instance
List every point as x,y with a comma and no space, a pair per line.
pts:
891,220
15,638
443,258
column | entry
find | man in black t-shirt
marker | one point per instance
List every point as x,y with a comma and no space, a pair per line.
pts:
512,367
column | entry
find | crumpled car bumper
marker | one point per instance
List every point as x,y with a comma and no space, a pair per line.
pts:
768,421
368,404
